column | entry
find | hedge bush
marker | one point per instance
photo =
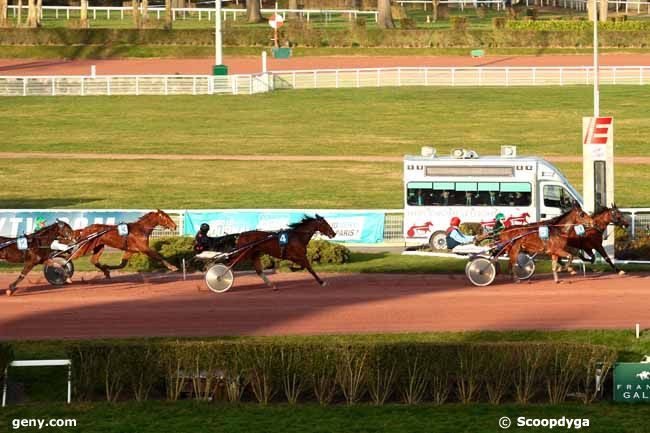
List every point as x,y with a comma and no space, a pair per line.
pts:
409,372
6,356
459,23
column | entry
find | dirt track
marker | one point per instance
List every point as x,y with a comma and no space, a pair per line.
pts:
251,64
161,305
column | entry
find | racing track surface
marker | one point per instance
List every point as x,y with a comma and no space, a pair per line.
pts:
164,305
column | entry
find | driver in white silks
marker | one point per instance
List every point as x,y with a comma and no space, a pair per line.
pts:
458,242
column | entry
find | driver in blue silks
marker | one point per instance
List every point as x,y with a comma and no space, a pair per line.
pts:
455,237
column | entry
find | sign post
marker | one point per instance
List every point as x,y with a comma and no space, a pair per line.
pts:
276,21
219,68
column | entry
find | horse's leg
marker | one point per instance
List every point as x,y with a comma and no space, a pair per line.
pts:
156,256
513,253
304,263
125,261
94,259
26,269
555,256
605,256
257,263
554,264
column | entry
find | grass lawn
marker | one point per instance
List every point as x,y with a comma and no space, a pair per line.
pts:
541,121
75,184
189,416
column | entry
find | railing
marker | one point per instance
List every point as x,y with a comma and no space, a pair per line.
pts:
107,85
110,12
461,76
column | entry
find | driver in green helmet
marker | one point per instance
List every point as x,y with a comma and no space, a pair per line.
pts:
499,223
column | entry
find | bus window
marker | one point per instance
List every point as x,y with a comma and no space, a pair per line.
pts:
515,194
558,197
419,194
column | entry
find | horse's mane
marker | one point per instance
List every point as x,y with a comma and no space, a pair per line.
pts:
305,219
560,217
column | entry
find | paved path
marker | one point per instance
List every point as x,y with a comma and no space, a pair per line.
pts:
164,305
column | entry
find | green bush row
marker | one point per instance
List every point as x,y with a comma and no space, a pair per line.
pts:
6,356
176,248
291,372
516,34
578,26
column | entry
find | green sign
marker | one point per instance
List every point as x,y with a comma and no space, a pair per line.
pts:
631,382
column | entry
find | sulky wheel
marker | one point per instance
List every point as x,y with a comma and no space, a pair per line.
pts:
219,278
525,267
58,276
481,271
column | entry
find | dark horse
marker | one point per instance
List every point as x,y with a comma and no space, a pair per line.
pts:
137,240
295,250
560,231
593,238
38,249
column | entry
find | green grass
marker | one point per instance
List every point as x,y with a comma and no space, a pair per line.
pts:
74,184
189,416
541,121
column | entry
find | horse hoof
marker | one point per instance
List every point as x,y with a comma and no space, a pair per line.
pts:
68,280
173,269
9,292
275,289
323,284
621,272
573,273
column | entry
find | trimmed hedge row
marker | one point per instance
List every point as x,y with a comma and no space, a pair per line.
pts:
291,372
6,356
523,35
578,26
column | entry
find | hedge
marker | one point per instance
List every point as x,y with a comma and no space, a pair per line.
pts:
578,26
293,372
516,34
6,356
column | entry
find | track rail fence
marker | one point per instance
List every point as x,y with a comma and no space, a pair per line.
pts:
247,84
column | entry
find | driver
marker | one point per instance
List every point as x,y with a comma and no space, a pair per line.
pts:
454,236
202,240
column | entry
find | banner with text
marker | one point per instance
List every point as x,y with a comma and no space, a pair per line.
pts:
17,222
361,227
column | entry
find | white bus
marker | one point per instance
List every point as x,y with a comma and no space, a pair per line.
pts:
475,189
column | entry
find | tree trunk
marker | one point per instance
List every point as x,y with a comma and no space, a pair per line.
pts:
293,4
168,14
83,14
253,14
3,13
145,12
31,13
603,11
435,10
385,20
39,12
591,9
136,13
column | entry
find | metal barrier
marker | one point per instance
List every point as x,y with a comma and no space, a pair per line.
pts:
107,85
458,76
639,222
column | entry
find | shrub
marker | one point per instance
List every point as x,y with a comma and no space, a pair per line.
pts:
324,252
408,24
459,24
532,12
513,13
498,23
173,249
360,22
481,12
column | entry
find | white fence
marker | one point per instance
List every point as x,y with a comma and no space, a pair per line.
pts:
461,76
113,12
107,85
580,5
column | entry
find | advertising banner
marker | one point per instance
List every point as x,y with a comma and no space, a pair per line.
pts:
18,222
353,226
632,382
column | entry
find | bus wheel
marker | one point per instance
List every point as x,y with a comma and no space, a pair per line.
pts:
438,241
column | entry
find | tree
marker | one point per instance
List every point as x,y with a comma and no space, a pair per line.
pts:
32,20
145,12
253,13
168,14
19,18
83,14
293,4
39,12
385,19
136,13
3,13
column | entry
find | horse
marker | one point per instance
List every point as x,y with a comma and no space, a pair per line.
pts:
560,230
593,237
38,249
298,236
136,241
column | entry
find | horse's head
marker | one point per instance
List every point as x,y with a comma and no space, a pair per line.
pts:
324,227
576,216
62,231
165,220
617,217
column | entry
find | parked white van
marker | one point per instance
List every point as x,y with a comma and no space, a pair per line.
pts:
476,189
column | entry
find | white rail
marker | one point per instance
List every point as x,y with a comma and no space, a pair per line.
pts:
108,85
458,76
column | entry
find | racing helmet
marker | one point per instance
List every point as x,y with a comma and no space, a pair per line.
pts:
455,222
205,228
499,217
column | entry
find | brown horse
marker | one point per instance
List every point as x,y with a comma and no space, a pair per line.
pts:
137,240
560,230
295,250
38,249
593,238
